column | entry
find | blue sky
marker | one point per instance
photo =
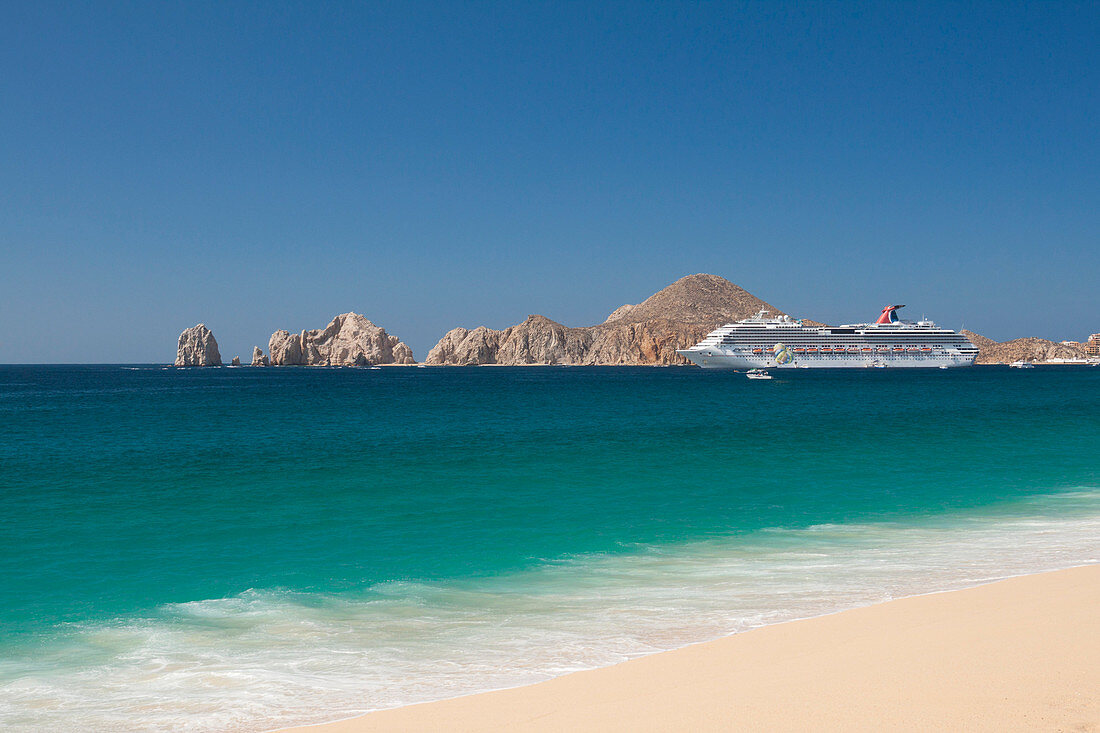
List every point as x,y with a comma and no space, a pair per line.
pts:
257,166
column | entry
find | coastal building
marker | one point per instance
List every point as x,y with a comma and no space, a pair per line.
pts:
1092,348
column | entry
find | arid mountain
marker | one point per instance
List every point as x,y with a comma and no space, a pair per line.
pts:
1021,349
647,333
698,299
983,343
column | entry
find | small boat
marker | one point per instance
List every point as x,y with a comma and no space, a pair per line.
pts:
877,364
1021,365
757,374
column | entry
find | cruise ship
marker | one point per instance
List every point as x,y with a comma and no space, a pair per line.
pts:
769,342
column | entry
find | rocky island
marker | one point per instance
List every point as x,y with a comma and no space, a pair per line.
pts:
197,348
648,333
348,340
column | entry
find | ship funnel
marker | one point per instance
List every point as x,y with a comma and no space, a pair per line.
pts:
889,314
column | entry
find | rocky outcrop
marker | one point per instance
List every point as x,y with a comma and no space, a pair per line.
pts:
197,347
258,358
402,354
984,344
348,340
647,333
651,342
285,348
538,340
1021,349
236,361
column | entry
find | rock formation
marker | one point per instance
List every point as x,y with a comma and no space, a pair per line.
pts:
647,333
236,361
197,347
349,340
1021,349
258,358
538,340
984,344
285,348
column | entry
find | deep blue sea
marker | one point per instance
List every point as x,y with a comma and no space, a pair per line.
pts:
238,549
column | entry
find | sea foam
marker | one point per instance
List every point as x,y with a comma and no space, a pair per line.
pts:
270,657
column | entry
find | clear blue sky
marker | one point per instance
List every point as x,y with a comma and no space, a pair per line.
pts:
265,165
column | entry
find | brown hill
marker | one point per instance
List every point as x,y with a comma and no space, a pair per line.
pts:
983,343
1021,349
698,299
650,332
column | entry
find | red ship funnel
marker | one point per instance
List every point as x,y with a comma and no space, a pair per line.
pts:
889,315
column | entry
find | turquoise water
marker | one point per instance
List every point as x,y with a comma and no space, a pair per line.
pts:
242,548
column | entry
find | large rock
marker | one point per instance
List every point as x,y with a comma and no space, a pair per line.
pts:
538,340
647,333
258,358
1021,349
348,340
197,347
236,361
285,348
650,342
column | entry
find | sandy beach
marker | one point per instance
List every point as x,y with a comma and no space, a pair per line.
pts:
1018,654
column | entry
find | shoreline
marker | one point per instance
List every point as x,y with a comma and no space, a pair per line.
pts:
541,364
1008,654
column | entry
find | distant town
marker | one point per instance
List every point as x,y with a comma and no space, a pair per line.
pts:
1091,347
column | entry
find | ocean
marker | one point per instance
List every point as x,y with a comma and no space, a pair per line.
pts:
242,549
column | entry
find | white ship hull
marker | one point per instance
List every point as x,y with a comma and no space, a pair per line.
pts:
710,359
783,343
